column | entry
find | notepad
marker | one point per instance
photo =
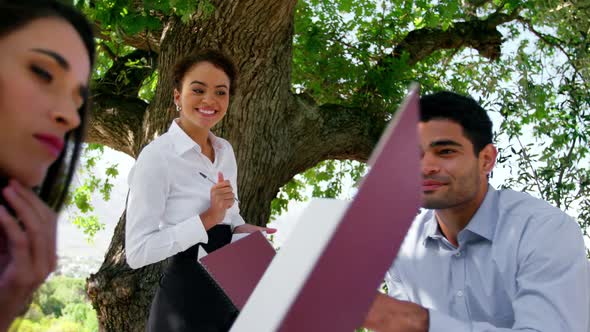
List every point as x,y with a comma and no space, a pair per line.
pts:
237,267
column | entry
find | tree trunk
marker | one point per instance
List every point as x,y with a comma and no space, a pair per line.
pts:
121,295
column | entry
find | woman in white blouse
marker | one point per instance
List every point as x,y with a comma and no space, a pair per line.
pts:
173,211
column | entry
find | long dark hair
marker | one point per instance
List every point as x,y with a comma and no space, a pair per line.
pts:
14,14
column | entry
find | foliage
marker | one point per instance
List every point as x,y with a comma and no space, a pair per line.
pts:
341,54
59,305
90,183
538,86
124,17
329,179
547,125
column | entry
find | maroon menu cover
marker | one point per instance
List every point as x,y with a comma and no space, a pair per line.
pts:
340,289
238,266
333,280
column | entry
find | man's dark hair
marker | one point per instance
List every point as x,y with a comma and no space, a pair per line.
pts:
465,111
214,57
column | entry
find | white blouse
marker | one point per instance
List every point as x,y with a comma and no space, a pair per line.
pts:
167,194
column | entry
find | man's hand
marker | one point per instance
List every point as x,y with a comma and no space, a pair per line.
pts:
31,245
247,228
222,198
390,315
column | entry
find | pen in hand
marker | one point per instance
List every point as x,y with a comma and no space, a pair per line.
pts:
208,179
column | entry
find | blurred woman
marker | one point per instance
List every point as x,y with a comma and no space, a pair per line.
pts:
46,56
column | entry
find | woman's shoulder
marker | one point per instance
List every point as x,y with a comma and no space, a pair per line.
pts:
156,149
151,160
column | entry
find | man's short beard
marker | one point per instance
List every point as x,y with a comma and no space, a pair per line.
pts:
440,204
471,182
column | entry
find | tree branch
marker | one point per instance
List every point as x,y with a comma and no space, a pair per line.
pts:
532,168
481,35
419,44
117,112
568,162
115,121
332,131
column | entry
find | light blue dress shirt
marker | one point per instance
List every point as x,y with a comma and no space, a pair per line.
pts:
520,265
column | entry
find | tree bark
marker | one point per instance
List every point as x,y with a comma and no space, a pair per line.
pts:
275,134
120,295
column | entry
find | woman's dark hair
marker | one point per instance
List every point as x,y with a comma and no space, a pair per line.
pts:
214,57
465,111
14,15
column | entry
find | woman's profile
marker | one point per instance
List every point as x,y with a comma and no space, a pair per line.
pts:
46,56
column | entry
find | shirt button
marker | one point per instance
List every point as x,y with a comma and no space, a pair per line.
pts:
458,254
460,293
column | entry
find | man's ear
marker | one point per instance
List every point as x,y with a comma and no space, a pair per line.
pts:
487,158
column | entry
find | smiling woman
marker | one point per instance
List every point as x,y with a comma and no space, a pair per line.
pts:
46,56
174,211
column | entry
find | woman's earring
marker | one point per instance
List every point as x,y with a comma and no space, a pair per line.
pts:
177,108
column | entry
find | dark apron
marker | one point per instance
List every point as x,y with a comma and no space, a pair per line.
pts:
188,299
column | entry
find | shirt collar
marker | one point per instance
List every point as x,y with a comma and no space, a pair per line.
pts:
182,142
483,222
431,229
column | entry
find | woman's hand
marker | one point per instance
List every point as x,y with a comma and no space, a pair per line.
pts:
247,228
222,198
31,243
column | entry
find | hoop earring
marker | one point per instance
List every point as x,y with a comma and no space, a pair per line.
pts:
177,108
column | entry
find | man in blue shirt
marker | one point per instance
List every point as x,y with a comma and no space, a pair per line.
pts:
479,259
